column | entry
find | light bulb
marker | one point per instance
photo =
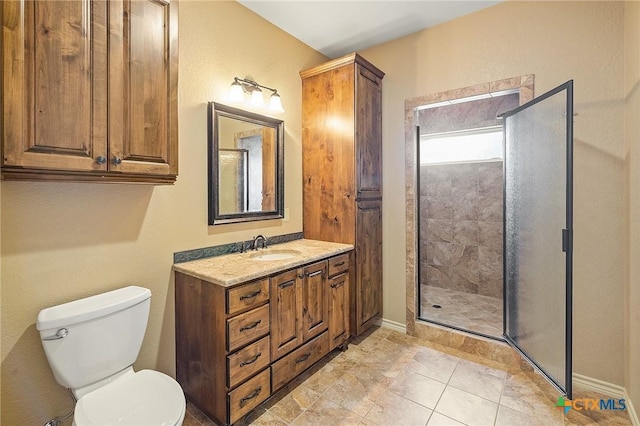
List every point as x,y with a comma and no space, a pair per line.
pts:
236,94
256,97
275,103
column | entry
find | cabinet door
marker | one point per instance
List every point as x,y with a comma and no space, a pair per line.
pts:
286,330
55,84
143,78
315,306
338,310
368,288
368,134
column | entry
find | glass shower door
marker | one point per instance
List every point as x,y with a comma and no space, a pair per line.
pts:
538,233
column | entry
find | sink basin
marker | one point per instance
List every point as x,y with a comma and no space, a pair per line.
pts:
275,255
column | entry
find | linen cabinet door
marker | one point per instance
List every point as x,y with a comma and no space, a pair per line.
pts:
367,291
368,134
315,306
143,79
54,85
286,330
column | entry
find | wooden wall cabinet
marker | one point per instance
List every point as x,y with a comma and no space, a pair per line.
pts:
235,346
342,172
90,90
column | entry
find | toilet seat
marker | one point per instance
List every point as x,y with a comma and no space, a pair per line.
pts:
144,398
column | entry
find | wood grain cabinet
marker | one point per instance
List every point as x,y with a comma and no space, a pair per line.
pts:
338,290
342,172
90,90
299,307
237,345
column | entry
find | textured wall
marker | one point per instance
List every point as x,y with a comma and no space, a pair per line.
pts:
632,222
461,227
556,41
63,241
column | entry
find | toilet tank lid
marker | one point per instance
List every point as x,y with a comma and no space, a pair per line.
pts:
91,307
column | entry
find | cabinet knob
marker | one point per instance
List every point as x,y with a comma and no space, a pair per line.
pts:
101,160
117,160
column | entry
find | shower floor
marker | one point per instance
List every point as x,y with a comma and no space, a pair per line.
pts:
473,312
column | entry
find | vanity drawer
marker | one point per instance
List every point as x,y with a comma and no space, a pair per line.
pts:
286,369
247,327
338,264
247,362
247,296
249,396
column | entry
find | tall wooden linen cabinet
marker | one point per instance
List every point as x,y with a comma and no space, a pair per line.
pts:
342,172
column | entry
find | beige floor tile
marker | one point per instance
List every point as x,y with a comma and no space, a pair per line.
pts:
319,379
522,394
478,380
198,415
510,417
482,314
189,420
417,388
467,408
325,412
354,393
262,417
366,422
438,419
392,409
431,363
294,403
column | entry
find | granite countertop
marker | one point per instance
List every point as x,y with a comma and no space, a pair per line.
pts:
236,268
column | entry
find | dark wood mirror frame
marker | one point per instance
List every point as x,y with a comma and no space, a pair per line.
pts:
216,217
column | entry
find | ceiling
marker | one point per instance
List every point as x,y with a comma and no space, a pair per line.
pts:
336,28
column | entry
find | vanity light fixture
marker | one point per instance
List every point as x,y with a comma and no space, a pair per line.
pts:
240,86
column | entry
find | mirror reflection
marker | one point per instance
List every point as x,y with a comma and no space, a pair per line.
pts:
246,168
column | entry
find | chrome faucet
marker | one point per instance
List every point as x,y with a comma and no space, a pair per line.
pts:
254,245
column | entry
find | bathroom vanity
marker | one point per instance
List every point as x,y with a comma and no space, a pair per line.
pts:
249,323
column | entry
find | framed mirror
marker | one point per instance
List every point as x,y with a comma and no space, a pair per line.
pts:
246,165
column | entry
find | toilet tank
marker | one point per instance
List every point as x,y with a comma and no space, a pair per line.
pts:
90,339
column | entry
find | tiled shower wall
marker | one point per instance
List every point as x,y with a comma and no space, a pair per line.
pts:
461,227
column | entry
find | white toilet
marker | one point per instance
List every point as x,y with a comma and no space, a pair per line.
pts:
91,345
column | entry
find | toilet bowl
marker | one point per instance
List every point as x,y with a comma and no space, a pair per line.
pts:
144,398
91,345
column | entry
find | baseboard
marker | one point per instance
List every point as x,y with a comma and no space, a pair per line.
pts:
608,389
395,326
605,388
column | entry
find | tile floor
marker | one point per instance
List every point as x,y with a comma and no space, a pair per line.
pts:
389,378
482,314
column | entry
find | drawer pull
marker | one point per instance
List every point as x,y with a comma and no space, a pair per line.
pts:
249,327
336,285
339,264
314,274
250,295
285,285
303,358
249,397
252,360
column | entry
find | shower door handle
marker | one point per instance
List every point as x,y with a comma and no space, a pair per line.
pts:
567,241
